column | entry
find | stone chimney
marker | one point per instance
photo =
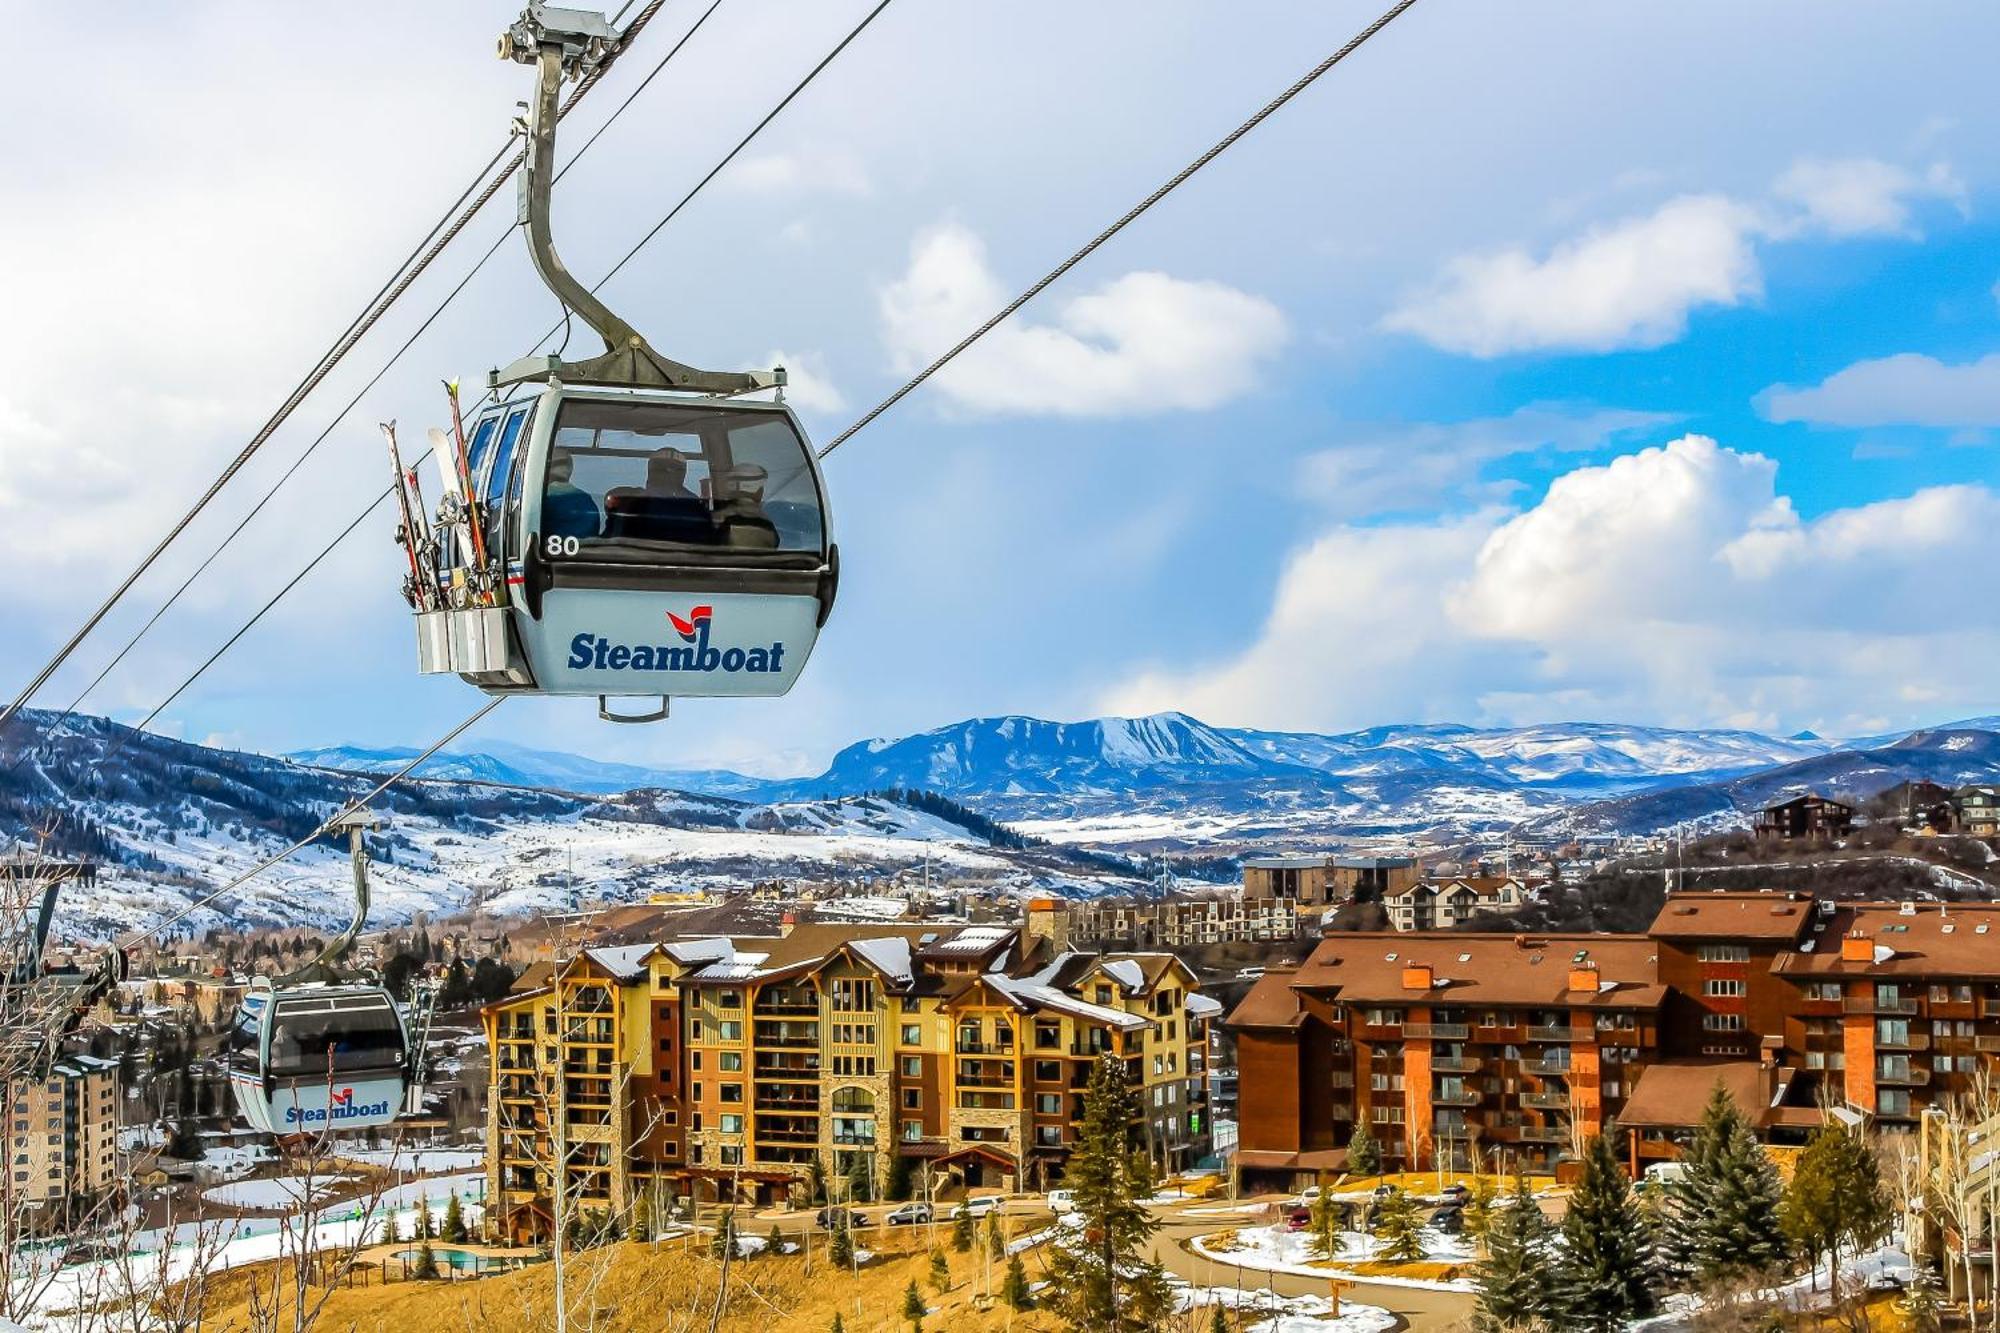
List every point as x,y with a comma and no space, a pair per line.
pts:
1046,920
786,922
1416,976
1856,947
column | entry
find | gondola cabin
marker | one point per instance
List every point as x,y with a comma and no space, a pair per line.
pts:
313,1058
638,543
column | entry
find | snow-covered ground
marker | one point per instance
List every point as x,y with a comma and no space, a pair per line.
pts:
417,1161
1286,1314
1277,1249
275,1193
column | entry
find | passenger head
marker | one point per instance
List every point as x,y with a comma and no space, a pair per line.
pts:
561,468
667,471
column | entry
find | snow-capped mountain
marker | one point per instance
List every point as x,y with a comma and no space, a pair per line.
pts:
524,766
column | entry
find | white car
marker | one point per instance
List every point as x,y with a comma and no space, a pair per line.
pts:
1062,1201
979,1207
1307,1196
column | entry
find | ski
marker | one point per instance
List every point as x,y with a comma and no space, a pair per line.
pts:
406,531
484,581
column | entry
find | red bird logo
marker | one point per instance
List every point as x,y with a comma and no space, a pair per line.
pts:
345,1097
696,618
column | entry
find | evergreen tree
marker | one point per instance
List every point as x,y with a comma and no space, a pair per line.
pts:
774,1244
836,1326
1364,1155
1606,1273
1014,1288
1836,1198
914,1307
860,1179
426,1228
1516,1286
898,1187
390,1236
1398,1228
1923,1302
1721,1217
642,1217
961,1230
454,1221
1326,1219
816,1180
1218,1319
996,1240
1480,1208
840,1244
940,1271
1101,1281
426,1266
725,1235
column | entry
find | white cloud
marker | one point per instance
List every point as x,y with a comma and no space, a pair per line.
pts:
1906,389
1675,585
1633,283
1862,196
832,172
1145,342
1396,468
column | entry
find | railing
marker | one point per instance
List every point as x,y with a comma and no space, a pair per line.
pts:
1436,1031
1878,1005
1464,1097
1912,1041
786,1008
855,1140
1546,1066
1455,1064
784,1041
985,1048
1916,1078
1548,1032
1542,1134
1986,1043
1548,1101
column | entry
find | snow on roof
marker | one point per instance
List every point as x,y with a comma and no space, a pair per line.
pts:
1037,996
700,950
623,961
1203,1004
1126,973
889,955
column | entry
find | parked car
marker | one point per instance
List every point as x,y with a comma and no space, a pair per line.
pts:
830,1217
1062,1201
979,1207
1457,1192
909,1214
1308,1196
1299,1220
1449,1219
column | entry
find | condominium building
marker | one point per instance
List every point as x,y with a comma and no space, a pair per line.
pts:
62,1135
1442,904
724,1066
1322,880
1450,1042
1166,923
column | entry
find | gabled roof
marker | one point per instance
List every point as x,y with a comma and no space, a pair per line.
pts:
626,962
1926,940
1481,968
1032,996
1744,915
1271,1003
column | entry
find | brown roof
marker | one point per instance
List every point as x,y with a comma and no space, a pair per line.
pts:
1471,967
1313,1159
1271,1003
1672,1093
1931,939
1486,886
1735,915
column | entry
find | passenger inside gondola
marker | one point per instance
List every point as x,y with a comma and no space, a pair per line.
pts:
567,509
664,509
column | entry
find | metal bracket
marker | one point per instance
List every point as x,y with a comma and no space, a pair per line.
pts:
604,711
563,43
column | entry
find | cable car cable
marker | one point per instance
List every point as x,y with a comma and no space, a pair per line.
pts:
133,938
324,366
1305,81
50,734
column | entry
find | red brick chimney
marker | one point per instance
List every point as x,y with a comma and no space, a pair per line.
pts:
1583,978
1856,947
1416,976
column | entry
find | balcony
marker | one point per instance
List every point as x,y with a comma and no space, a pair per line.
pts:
778,1040
1912,1041
1542,1134
1462,1097
1912,1078
1455,1064
1986,1044
1881,1005
767,1101
1545,1065
1436,1031
1547,1032
1002,1049
1546,1101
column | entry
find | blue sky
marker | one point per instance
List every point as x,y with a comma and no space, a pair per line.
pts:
1585,362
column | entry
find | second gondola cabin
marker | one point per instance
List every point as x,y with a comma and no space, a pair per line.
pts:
314,1059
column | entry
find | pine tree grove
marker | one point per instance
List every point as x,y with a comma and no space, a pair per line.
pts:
1516,1282
1607,1269
1398,1228
1722,1216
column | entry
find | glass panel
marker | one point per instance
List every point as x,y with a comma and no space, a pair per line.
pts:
338,1041
652,477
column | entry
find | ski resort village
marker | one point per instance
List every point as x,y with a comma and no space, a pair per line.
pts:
879,667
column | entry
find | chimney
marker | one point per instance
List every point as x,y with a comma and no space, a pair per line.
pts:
1856,947
786,922
1047,921
1416,976
1583,978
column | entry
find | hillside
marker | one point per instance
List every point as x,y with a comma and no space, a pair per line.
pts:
169,821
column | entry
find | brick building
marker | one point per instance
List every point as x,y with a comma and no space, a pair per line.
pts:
1526,1043
1322,881
723,1066
1807,817
62,1135
1442,904
1167,923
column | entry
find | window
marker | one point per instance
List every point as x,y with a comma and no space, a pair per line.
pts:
913,1034
913,1066
912,1130
1723,953
732,1154
694,1063
730,1030
731,1061
640,482
1048,1103
732,1124
913,1099
729,999
1048,1071
1724,987
732,1092
1823,990
1722,1022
